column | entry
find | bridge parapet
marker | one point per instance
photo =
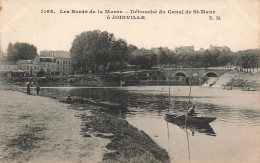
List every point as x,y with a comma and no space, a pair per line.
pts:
195,72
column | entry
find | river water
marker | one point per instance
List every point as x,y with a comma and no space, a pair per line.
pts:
233,137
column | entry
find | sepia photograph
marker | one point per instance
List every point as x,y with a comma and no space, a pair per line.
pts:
129,81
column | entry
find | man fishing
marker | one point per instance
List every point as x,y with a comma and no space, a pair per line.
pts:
191,111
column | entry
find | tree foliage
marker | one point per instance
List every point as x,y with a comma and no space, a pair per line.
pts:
93,49
248,59
21,51
143,58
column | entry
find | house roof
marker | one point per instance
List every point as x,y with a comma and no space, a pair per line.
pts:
7,63
221,48
185,47
54,54
27,62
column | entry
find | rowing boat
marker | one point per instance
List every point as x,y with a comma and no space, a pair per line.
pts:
203,128
248,90
189,119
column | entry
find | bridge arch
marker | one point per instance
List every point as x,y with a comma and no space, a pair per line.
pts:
210,74
180,73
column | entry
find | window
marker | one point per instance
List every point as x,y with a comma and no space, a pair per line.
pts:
58,62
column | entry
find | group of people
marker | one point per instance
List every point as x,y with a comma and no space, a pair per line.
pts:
28,85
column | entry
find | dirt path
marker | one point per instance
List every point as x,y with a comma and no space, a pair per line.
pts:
40,129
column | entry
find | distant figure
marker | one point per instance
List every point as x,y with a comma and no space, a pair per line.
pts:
37,89
69,100
191,111
28,88
122,83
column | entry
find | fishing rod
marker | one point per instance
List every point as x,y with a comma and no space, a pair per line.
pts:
169,94
186,121
190,89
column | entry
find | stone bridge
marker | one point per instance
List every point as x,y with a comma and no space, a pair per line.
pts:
172,76
203,73
196,76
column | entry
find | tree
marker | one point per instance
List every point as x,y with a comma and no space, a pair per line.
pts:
21,51
165,56
131,48
93,49
143,58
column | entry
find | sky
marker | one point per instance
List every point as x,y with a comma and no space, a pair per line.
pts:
22,21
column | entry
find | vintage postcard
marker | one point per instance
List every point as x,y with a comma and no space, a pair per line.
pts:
129,81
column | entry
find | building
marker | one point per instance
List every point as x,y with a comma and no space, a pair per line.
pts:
8,69
55,62
30,67
157,50
220,48
7,66
184,49
201,50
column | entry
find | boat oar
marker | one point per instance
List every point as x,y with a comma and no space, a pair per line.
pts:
182,115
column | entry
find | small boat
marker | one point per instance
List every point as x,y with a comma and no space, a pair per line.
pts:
203,128
189,119
249,89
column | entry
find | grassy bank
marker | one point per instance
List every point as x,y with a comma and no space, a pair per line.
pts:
128,144
244,80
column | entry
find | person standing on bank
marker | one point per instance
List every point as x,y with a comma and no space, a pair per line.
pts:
37,89
28,88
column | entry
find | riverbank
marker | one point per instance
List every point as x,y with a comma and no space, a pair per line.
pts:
128,144
36,128
244,80
90,80
40,129
235,80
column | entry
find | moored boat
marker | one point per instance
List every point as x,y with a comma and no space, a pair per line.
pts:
249,89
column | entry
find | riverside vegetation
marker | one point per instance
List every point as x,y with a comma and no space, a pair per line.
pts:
128,144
